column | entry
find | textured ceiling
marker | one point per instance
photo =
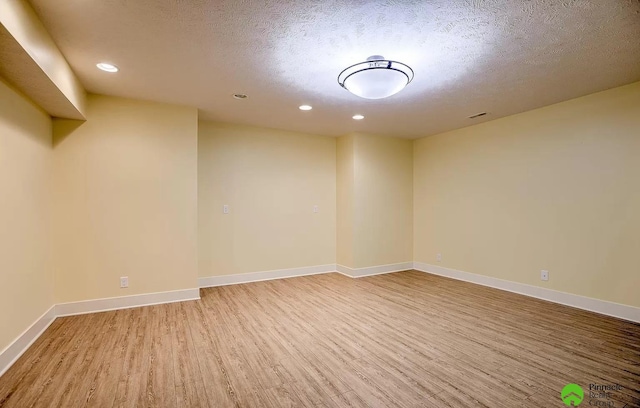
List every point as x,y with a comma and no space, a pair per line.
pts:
501,57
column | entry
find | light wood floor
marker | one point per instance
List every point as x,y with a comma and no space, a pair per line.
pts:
407,339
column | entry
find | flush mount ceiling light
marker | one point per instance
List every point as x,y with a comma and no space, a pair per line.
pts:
376,78
305,107
358,117
240,96
105,66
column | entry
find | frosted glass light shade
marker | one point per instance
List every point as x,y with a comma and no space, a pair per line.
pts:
376,78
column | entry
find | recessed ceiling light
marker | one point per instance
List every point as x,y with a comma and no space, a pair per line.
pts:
477,115
105,66
358,117
305,107
240,96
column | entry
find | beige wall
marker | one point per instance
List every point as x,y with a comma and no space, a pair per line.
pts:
125,199
345,190
375,197
556,188
26,276
271,180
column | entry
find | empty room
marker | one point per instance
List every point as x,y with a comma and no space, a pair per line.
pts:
319,204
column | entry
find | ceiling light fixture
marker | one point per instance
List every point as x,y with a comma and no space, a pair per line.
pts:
240,96
358,117
376,78
105,66
305,107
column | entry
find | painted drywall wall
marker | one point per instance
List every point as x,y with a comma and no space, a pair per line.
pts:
26,275
125,199
375,196
383,210
555,188
345,188
270,180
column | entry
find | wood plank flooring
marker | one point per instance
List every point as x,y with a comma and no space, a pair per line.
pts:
407,339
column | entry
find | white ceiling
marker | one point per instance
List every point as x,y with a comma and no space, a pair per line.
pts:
501,57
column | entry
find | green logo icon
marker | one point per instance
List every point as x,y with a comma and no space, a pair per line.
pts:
572,395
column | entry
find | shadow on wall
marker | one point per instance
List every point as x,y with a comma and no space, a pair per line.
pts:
64,127
20,118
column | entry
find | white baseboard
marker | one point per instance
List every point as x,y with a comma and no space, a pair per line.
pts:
373,270
224,280
125,302
13,351
604,307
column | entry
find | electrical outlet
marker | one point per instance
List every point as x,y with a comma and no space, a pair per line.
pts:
315,208
439,257
544,275
124,281
225,209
